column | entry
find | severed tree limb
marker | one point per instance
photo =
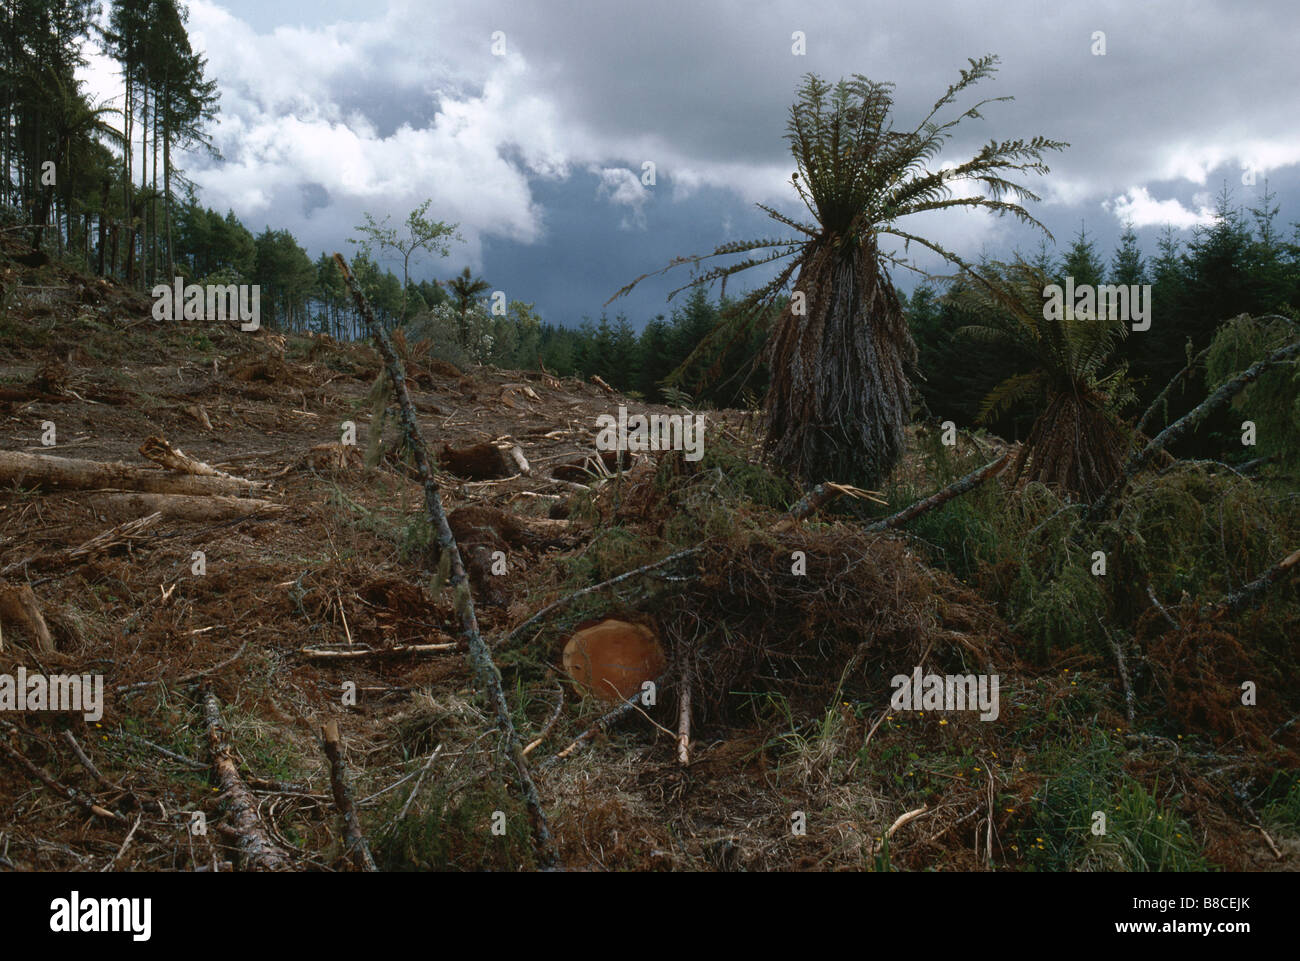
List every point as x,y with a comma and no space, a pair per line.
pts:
192,676
186,507
1245,596
480,655
89,765
955,489
1123,676
124,533
357,845
256,850
1219,398
157,449
71,473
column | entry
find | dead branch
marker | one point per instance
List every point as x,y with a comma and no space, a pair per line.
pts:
1219,398
89,765
569,599
546,729
684,715
343,653
256,850
480,655
186,678
357,845
1164,394
83,801
602,723
819,497
124,533
955,489
1250,593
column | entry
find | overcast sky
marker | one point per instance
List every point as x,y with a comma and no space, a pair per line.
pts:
329,109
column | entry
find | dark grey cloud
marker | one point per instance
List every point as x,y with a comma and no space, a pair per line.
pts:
329,111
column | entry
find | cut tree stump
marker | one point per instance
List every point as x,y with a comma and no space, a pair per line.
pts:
484,461
612,658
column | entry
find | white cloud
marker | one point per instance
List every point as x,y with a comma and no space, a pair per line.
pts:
1142,210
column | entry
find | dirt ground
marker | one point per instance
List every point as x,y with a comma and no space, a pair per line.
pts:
298,611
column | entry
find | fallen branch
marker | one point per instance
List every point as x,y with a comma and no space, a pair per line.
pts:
602,723
480,655
1123,679
83,801
569,599
955,489
1164,394
357,845
1247,595
819,497
1219,398
71,473
257,852
555,716
185,678
344,653
124,533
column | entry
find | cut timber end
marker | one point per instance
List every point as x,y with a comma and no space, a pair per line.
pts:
613,658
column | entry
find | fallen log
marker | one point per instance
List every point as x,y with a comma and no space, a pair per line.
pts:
71,473
185,507
256,850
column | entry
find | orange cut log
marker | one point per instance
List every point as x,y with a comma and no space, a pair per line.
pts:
613,658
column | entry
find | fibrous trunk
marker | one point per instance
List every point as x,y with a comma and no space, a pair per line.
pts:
839,398
1075,445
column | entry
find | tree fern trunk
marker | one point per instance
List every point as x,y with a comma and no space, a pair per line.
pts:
840,400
